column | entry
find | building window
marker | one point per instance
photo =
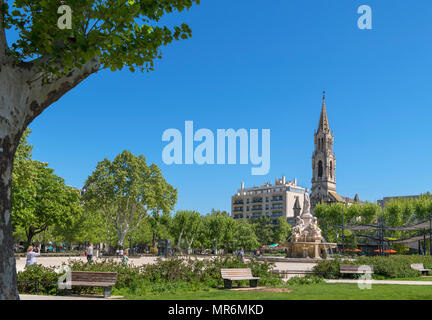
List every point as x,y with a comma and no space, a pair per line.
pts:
331,169
320,169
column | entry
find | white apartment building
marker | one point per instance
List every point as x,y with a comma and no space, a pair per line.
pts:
284,198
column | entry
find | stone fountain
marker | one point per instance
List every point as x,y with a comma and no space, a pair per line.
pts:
306,240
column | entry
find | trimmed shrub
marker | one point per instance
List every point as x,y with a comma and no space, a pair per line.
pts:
397,266
172,275
37,279
305,280
329,269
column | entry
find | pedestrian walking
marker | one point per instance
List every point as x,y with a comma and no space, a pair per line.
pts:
89,253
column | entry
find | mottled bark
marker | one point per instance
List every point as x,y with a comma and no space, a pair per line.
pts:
8,287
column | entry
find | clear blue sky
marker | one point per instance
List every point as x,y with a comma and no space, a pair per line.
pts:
264,64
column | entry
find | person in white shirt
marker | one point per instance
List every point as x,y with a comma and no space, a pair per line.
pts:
89,252
31,256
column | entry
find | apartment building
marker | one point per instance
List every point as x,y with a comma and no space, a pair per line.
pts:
283,198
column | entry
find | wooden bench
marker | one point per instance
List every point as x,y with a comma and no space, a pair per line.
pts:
230,275
349,268
105,280
420,267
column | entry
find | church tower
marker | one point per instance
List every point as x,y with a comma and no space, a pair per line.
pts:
323,163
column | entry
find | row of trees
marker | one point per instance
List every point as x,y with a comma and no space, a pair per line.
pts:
127,200
40,198
218,230
397,212
123,200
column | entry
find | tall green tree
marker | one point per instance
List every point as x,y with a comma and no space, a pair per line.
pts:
45,62
143,234
218,228
125,190
185,225
42,201
337,214
40,198
264,230
281,231
244,236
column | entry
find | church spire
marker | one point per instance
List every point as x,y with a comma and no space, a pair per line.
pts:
323,123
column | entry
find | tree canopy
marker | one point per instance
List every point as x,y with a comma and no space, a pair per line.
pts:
126,190
119,32
40,198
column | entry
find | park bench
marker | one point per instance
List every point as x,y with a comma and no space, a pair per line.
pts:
349,268
230,275
105,280
420,267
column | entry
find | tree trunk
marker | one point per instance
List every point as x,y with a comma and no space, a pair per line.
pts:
154,239
216,247
179,241
8,277
30,234
121,238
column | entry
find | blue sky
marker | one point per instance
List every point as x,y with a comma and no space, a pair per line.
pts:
264,64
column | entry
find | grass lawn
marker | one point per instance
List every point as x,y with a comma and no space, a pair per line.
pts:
339,291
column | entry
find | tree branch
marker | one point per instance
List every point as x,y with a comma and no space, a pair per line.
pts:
44,93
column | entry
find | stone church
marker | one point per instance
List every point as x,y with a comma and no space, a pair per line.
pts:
324,165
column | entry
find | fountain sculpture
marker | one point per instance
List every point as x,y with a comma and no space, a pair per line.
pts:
306,240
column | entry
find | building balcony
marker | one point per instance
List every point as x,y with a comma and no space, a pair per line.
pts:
238,202
238,210
277,198
256,208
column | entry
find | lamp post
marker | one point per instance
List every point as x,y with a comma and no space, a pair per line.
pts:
343,235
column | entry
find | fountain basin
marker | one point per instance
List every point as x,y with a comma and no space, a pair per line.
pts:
314,250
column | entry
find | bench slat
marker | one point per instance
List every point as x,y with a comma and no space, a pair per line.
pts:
92,284
419,267
348,268
238,274
85,278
